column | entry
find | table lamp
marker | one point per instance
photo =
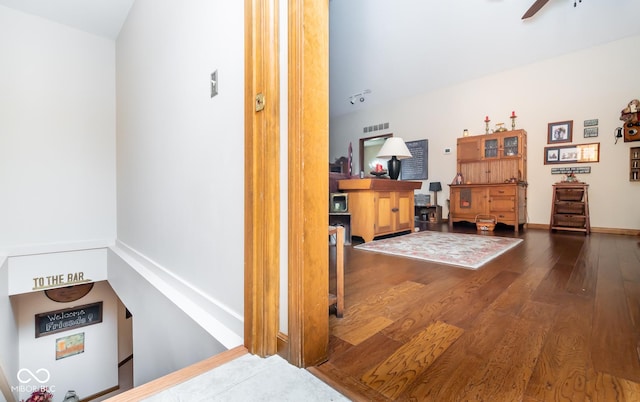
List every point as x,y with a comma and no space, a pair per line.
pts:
396,149
435,187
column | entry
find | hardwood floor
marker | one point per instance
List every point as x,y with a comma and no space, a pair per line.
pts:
555,319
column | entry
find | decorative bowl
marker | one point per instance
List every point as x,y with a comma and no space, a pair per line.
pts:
378,173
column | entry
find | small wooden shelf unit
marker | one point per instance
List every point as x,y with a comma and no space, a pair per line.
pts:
634,164
570,207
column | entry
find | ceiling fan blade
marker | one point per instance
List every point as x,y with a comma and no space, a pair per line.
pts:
534,8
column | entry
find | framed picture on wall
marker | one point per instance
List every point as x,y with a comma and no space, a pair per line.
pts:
581,153
69,345
559,132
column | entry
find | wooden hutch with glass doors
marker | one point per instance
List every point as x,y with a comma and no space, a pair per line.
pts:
493,170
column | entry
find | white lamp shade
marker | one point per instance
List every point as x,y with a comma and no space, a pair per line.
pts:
394,146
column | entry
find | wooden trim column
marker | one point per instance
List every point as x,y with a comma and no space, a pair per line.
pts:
308,181
262,172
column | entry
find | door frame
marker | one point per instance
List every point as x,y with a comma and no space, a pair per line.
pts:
308,128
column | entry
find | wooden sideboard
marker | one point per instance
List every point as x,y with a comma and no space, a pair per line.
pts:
380,206
506,202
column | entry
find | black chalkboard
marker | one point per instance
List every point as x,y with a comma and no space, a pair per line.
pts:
416,168
67,319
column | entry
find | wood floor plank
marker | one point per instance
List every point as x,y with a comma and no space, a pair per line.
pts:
474,301
392,376
582,280
513,299
460,304
361,330
628,252
560,373
444,379
368,317
369,353
614,343
632,293
510,366
350,387
609,388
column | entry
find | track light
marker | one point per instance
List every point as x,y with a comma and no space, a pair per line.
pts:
359,97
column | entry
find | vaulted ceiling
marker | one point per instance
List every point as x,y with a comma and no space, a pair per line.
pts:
400,48
100,17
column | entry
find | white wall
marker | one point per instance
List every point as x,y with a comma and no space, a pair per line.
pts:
57,125
165,339
8,336
125,333
180,153
596,83
88,373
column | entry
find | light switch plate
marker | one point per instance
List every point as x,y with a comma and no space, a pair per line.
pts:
214,83
447,151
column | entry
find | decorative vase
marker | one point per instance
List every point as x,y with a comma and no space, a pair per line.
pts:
71,396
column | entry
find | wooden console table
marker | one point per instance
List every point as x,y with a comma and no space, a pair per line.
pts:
380,206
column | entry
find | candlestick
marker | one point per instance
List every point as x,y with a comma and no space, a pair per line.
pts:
486,124
513,120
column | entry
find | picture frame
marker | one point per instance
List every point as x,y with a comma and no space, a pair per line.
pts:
590,132
70,345
559,132
579,153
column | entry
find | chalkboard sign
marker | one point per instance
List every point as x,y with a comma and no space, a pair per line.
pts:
567,170
67,319
416,168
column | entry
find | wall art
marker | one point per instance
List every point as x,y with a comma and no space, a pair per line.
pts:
561,131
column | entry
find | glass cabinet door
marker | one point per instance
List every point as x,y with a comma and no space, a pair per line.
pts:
491,148
510,146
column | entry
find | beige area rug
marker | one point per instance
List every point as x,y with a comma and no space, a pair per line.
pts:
463,250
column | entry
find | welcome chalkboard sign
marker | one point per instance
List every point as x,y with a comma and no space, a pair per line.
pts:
67,319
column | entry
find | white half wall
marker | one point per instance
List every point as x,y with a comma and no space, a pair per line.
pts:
596,83
165,339
57,147
180,169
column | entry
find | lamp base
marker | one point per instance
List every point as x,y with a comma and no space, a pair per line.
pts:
394,168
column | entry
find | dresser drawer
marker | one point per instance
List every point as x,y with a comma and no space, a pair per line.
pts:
502,191
504,216
569,194
572,221
568,207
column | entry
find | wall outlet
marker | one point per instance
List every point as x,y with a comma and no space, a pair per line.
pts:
447,151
